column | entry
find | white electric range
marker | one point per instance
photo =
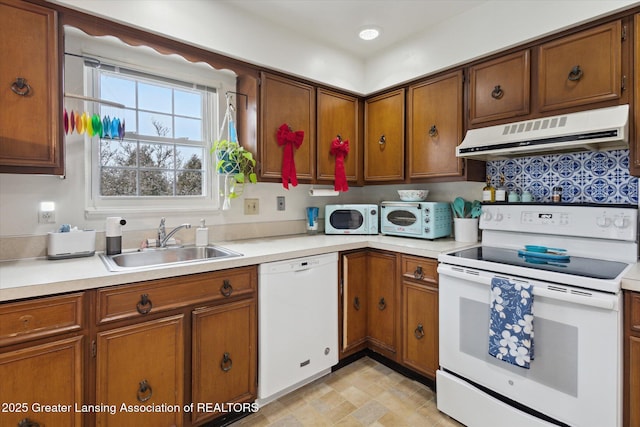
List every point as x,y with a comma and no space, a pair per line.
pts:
573,257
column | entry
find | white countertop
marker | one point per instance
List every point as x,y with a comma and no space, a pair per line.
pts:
631,281
38,277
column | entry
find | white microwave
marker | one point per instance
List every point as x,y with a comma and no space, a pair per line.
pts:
424,220
351,219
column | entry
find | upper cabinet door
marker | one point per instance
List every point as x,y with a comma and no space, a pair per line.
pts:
338,116
285,101
30,140
435,127
634,143
581,69
500,89
384,137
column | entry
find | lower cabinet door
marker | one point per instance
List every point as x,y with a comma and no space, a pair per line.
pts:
420,332
381,300
224,358
140,374
41,385
354,302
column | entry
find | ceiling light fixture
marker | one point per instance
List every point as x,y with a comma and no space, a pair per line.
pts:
369,33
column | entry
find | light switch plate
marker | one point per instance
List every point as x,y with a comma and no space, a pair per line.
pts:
251,206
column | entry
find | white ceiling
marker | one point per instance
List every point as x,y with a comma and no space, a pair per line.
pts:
336,23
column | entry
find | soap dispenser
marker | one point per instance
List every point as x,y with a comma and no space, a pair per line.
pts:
113,232
202,234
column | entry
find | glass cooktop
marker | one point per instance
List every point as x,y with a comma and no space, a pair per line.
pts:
577,266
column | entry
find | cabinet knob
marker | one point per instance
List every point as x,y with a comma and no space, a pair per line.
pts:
433,131
419,331
21,87
382,304
144,392
226,289
226,362
144,306
28,423
382,140
497,92
575,74
356,303
418,273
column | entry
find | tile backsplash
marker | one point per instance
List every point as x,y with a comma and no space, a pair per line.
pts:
585,177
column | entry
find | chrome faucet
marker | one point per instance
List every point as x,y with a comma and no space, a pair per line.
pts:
163,237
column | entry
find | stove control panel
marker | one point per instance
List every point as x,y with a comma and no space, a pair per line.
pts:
618,223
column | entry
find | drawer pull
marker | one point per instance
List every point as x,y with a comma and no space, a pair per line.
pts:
21,87
226,362
144,306
382,304
382,140
418,273
433,131
226,289
419,331
575,74
144,391
497,92
28,423
356,303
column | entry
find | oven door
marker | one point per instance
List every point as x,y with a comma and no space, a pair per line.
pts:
405,219
575,376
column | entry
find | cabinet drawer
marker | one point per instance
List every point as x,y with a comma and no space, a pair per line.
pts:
166,294
633,306
28,320
420,269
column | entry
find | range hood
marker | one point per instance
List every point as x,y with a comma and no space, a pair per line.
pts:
600,129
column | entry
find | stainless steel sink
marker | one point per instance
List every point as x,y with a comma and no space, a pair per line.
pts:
153,257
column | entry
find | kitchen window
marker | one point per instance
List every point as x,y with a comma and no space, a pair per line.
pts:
156,156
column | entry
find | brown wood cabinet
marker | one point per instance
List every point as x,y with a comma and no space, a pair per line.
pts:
580,69
147,352
434,123
139,365
224,354
634,141
632,359
420,314
370,298
384,137
287,101
500,88
338,115
42,344
354,302
30,131
382,325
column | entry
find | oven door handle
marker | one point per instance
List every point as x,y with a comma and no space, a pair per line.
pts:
584,298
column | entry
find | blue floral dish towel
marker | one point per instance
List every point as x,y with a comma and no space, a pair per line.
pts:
511,322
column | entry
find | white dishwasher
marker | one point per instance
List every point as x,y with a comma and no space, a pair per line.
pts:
297,323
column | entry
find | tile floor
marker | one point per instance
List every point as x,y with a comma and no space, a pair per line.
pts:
363,393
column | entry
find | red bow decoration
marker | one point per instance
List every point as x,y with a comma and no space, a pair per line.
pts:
290,140
340,148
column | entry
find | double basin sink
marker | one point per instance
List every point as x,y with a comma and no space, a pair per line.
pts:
154,257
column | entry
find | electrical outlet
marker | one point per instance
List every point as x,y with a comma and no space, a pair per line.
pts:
47,217
280,203
251,206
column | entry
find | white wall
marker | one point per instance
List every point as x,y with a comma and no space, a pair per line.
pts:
490,27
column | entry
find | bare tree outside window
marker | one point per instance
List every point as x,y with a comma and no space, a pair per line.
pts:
163,155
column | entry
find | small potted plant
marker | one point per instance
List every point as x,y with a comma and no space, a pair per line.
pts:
234,161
